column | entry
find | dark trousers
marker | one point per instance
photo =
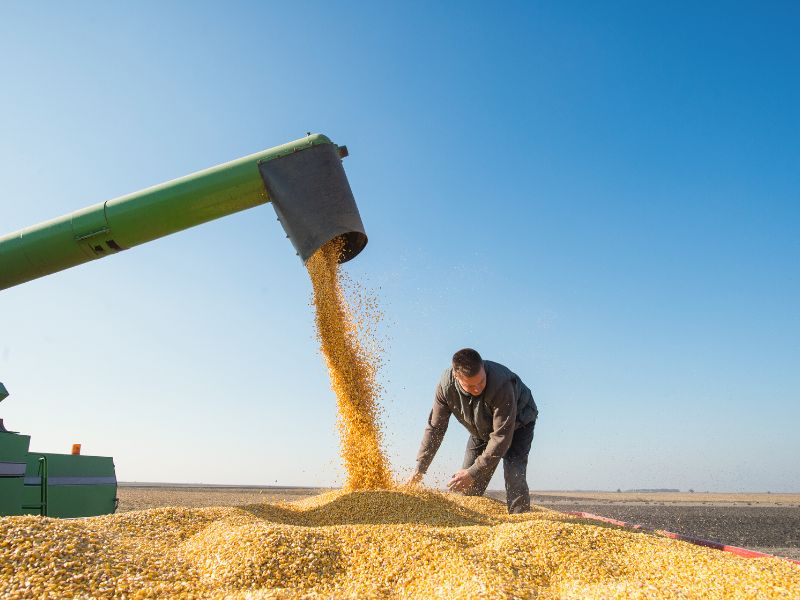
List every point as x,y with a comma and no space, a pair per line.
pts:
515,467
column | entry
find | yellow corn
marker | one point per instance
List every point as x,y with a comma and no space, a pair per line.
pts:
367,544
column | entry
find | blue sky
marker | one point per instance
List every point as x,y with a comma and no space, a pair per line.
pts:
603,197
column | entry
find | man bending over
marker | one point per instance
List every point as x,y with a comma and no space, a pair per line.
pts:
498,411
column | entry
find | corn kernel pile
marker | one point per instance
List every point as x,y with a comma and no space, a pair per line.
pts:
367,544
353,368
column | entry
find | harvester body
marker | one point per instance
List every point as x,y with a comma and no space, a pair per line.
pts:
54,485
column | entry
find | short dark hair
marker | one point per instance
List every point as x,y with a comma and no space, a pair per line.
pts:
467,362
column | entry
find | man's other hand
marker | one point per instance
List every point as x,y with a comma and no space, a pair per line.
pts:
415,479
461,481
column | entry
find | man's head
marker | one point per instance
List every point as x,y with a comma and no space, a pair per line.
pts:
469,372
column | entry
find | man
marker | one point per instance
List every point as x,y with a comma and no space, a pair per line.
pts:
498,411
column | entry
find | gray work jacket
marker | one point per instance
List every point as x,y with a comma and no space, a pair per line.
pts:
505,405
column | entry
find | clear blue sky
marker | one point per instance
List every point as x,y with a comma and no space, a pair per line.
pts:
605,197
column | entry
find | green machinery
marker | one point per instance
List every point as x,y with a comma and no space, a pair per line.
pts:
56,485
307,186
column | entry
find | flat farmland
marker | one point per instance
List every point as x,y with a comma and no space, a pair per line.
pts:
764,522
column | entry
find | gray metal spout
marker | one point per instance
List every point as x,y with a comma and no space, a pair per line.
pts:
313,200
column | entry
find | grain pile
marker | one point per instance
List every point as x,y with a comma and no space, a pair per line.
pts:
367,544
353,367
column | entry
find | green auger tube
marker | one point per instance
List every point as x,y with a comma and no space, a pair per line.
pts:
304,180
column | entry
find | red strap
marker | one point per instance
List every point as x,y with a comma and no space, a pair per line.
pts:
744,552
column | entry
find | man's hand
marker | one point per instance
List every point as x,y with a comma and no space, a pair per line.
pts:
415,479
461,481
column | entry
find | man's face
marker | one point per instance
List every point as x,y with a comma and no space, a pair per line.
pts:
474,385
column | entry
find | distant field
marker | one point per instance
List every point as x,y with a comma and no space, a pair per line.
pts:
135,496
140,497
677,497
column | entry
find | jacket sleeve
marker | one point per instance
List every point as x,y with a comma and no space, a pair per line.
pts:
434,431
503,421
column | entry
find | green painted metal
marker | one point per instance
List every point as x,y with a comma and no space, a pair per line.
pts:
72,501
10,496
77,485
127,221
13,452
41,507
55,485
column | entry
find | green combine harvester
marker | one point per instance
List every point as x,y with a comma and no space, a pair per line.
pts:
307,186
56,485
